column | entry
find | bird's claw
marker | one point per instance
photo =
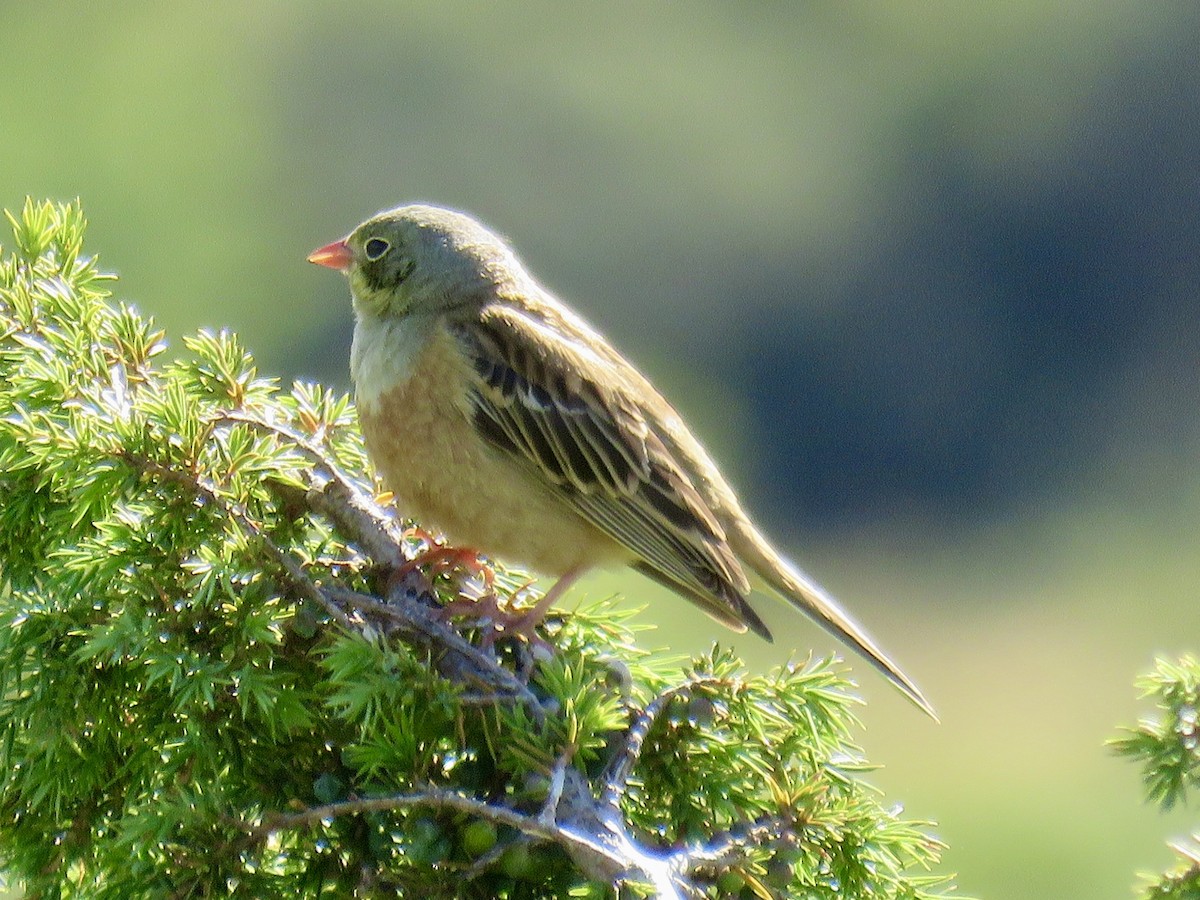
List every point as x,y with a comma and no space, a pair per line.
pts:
495,621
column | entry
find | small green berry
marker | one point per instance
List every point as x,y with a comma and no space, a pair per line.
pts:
478,838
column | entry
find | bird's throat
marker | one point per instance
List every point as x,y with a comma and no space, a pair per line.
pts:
384,353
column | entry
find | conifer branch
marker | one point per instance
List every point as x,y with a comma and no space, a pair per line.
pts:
221,665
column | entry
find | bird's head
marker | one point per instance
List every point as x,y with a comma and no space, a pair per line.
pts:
419,259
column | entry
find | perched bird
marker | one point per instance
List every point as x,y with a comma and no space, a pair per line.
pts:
497,414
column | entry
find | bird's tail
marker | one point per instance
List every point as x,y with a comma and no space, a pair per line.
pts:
807,596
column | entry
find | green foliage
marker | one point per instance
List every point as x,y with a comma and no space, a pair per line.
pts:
184,711
1166,747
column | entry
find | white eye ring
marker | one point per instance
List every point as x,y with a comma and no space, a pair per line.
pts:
375,247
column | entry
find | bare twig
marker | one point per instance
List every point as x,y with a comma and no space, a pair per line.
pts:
558,778
485,861
616,777
428,797
730,846
604,861
357,515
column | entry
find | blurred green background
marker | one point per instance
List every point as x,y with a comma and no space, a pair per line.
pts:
924,276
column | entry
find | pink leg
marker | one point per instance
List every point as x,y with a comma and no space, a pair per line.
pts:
531,619
494,620
524,624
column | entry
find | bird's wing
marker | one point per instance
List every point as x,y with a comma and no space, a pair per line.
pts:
559,407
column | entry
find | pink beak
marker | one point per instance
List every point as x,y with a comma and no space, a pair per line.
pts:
333,256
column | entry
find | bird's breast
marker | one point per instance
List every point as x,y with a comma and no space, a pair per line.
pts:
416,419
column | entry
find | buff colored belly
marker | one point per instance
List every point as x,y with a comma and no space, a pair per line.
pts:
444,476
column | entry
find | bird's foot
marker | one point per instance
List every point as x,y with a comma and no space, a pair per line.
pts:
478,603
440,559
437,559
496,621
525,622
521,623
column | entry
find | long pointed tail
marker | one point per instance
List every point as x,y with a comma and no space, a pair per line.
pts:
807,596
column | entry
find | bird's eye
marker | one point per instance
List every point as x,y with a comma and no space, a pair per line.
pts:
375,248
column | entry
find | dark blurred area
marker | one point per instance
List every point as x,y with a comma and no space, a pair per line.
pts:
923,276
1010,324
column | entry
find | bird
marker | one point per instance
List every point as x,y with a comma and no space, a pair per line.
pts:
496,413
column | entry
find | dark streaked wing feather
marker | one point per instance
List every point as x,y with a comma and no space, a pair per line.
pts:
592,444
720,610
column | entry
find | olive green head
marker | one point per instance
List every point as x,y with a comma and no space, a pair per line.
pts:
419,259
